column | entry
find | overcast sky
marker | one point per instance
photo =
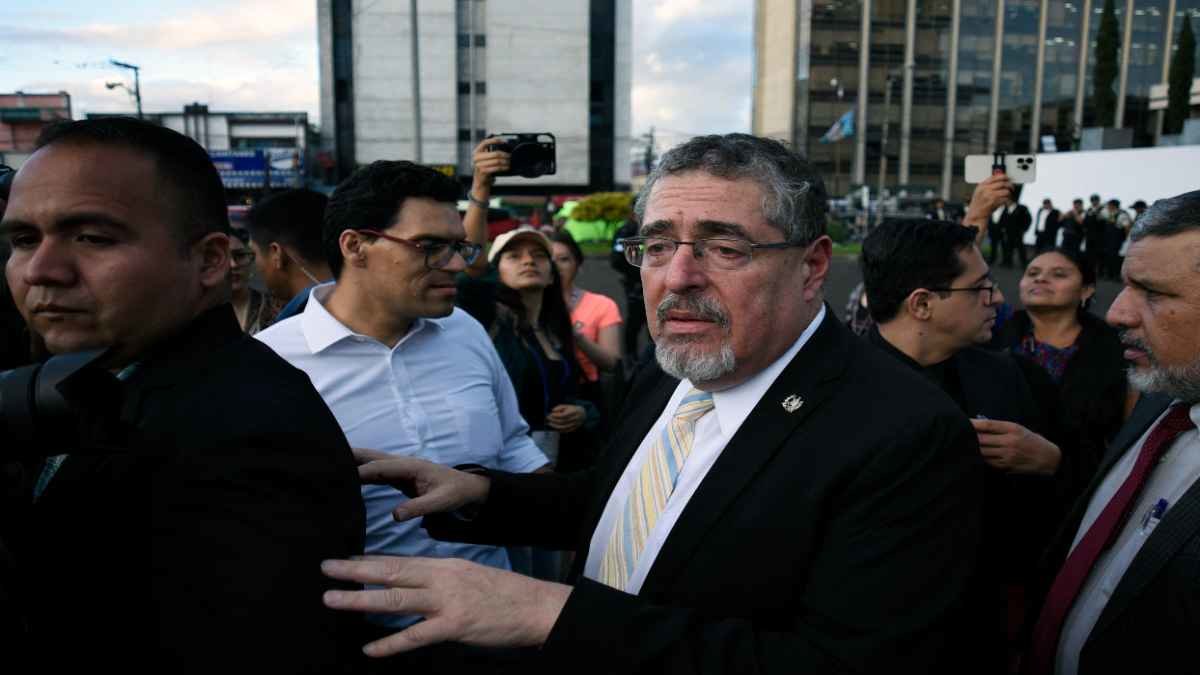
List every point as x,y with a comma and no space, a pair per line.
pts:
691,72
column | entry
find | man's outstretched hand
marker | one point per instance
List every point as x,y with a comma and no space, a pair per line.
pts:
431,488
461,602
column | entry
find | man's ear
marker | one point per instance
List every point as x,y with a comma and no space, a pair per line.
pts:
918,305
818,258
353,247
213,250
277,258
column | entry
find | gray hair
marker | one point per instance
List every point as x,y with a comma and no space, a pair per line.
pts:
1169,217
794,198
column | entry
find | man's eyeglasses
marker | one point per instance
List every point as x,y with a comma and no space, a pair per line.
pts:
242,257
438,254
716,253
985,290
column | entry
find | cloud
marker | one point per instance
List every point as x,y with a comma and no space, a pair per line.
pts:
668,11
251,55
692,67
251,22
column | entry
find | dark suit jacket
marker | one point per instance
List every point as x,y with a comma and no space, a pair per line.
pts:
1021,509
1049,230
1151,621
837,538
1016,223
1089,402
198,548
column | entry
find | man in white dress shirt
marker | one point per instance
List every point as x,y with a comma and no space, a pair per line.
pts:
1126,594
404,371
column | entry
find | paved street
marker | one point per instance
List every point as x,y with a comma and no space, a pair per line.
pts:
596,275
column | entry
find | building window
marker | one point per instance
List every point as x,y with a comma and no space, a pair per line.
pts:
464,40
465,88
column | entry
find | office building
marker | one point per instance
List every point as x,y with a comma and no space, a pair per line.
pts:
949,78
484,67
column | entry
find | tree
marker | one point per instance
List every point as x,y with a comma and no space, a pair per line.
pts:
1105,73
1179,88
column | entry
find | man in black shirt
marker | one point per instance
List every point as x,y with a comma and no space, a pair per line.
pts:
934,302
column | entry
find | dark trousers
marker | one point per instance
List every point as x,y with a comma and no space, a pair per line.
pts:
1112,254
1096,252
1013,242
1071,240
996,239
1046,239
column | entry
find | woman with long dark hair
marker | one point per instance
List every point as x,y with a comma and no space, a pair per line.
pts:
519,302
1079,352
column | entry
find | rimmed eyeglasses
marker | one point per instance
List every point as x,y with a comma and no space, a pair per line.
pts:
438,252
717,252
985,290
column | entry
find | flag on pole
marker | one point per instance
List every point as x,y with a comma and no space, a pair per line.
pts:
842,128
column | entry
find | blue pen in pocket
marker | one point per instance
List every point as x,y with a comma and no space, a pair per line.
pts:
1154,515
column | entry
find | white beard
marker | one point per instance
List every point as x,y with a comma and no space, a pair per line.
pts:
1178,382
681,362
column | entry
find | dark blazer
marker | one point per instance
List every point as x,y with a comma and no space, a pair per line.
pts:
1015,223
836,538
1090,399
198,547
1048,233
1021,509
1151,621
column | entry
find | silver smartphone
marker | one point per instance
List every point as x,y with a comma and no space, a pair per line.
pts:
1019,168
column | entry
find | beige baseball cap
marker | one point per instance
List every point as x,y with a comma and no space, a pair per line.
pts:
522,232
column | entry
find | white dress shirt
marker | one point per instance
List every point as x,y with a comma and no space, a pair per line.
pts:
1177,470
440,394
731,407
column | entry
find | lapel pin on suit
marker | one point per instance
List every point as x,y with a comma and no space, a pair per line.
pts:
792,403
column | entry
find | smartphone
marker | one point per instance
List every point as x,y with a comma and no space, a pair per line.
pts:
1018,168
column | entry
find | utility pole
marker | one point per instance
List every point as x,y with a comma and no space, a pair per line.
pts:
648,157
864,73
416,81
137,82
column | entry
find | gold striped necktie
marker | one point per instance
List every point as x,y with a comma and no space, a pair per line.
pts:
654,485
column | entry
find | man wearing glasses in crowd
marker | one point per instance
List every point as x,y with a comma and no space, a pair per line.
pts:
746,518
934,303
405,372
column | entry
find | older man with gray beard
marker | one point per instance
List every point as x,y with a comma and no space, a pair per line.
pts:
779,498
1124,595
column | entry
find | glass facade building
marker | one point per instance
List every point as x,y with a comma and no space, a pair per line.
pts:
995,91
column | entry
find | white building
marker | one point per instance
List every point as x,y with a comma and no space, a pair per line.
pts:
485,67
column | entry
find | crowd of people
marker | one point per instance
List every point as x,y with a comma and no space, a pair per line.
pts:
404,450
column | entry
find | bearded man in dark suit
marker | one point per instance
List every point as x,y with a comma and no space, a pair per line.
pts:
780,497
1122,587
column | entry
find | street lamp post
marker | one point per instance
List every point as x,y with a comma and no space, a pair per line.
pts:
137,83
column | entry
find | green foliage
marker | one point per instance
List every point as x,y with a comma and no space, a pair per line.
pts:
1105,73
1179,88
609,206
837,230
